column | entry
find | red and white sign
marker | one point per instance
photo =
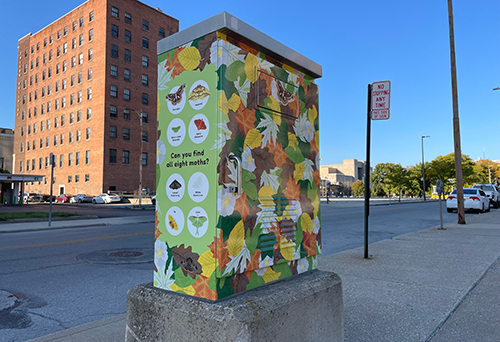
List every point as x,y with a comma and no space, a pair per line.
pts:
381,100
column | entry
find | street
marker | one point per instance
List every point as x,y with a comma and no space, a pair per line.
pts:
69,277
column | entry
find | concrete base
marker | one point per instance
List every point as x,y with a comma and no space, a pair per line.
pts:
307,307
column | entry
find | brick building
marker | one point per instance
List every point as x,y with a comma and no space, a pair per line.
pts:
82,82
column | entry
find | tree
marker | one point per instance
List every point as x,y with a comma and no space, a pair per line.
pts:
443,167
378,178
358,188
397,179
483,170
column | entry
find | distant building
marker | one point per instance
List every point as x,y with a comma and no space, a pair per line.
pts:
6,148
348,172
81,82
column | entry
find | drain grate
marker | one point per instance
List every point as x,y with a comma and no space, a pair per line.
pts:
126,254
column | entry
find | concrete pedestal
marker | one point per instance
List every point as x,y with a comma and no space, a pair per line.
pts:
307,307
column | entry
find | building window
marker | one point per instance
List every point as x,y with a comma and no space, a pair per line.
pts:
126,94
126,134
77,178
145,61
50,72
81,22
70,159
65,47
73,61
71,118
87,178
69,179
91,34
114,71
70,137
91,16
128,55
59,34
87,157
112,156
144,136
27,165
74,26
144,159
47,142
145,99
73,44
79,116
89,74
145,80
113,91
72,99
89,113
22,147
63,84
56,122
113,111
80,96
61,160
80,59
128,36
126,113
21,166
62,120
115,12
89,93
125,158
45,42
29,145
58,53
145,25
114,30
62,139
90,54
114,51
145,43
128,18
40,163
87,136
55,140
63,102
44,74
161,32
112,132
78,135
126,74
58,68
77,159
51,39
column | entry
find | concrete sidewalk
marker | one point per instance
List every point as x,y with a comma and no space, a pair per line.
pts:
432,285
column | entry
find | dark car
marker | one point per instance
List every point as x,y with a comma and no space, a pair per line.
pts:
46,198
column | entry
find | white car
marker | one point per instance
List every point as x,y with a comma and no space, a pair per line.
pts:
80,198
474,199
106,198
491,192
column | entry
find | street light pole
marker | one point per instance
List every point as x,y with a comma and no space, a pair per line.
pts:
140,161
423,165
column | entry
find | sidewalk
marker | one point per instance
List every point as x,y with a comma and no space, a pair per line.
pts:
432,285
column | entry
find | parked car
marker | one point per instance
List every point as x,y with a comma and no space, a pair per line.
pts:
32,197
106,198
80,198
474,199
46,198
491,192
63,198
153,200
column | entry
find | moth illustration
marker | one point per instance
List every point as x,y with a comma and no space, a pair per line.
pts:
284,95
172,223
197,222
198,93
176,129
176,97
200,124
175,185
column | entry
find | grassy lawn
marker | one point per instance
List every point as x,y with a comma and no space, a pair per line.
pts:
28,215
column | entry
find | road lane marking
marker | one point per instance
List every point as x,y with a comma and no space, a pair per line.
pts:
74,241
358,212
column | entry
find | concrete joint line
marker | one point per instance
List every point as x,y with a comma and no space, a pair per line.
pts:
459,302
131,332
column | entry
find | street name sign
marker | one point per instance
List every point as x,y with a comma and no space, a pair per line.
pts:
381,100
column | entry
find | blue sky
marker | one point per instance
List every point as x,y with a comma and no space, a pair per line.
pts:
357,43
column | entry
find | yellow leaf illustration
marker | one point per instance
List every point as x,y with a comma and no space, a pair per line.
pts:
223,102
313,114
288,68
270,275
266,195
236,239
306,223
298,174
253,139
251,67
286,248
158,109
234,102
221,35
292,140
187,290
274,105
190,58
208,263
315,204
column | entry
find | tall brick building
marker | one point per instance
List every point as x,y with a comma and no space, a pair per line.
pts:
82,81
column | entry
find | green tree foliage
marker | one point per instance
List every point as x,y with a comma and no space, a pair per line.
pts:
443,167
4,171
484,169
358,188
388,177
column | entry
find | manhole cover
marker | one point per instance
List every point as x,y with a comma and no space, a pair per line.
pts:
126,254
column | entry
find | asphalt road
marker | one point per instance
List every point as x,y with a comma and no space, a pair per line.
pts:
66,282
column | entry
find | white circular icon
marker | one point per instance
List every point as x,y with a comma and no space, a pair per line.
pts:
197,222
176,132
174,220
198,95
176,99
198,187
175,187
198,128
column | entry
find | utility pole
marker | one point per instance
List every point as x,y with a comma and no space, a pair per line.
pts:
140,161
423,164
456,121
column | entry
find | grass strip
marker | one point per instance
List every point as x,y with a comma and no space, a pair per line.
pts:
30,214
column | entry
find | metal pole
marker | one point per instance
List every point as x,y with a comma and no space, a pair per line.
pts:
51,160
423,169
456,121
367,166
440,210
140,163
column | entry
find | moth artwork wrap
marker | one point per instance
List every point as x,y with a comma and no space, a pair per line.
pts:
237,174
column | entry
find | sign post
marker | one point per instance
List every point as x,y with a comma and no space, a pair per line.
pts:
51,160
379,103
